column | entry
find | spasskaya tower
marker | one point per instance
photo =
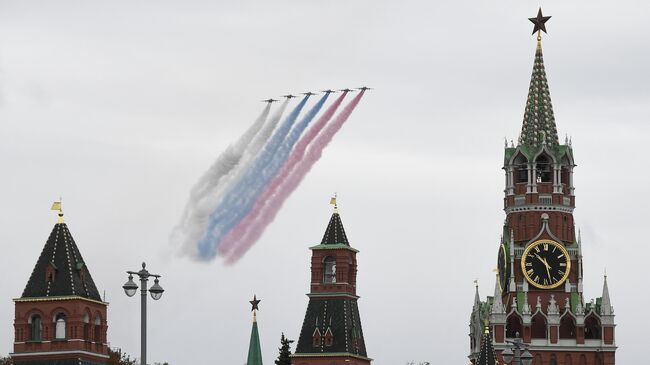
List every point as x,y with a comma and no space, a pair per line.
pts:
538,294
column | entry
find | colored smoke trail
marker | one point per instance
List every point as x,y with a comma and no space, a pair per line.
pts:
291,182
239,200
205,193
249,229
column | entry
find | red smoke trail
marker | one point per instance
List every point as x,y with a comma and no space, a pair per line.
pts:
252,221
287,184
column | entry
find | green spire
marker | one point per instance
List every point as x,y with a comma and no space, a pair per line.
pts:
539,122
254,349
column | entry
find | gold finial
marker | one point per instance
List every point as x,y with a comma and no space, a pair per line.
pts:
333,202
57,206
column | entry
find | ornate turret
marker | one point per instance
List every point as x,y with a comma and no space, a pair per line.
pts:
331,332
60,315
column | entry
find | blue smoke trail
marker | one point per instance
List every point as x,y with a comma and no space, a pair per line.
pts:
240,199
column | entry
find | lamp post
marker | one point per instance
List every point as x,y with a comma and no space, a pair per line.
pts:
130,288
521,355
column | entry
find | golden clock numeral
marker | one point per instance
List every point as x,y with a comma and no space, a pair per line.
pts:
554,248
536,279
560,272
546,247
561,256
529,264
563,264
537,249
530,272
545,282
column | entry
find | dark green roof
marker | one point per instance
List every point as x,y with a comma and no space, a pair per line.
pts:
338,316
254,349
487,356
60,270
539,121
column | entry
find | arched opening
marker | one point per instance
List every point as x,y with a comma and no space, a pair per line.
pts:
520,169
567,327
514,327
568,360
330,270
98,328
583,359
60,327
36,328
538,326
86,327
592,328
538,360
552,360
544,167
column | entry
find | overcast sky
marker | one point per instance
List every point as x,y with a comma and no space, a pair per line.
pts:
119,106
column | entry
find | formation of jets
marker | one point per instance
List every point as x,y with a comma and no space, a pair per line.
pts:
309,93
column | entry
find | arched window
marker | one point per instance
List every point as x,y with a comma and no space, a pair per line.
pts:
330,270
86,327
583,359
567,327
592,328
98,328
544,169
59,332
520,169
538,327
36,328
513,327
568,360
552,361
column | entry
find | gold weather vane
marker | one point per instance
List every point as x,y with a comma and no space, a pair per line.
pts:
333,202
57,206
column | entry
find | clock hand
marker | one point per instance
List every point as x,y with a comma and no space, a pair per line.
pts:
543,261
546,265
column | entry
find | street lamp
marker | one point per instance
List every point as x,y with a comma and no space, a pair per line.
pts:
521,355
156,291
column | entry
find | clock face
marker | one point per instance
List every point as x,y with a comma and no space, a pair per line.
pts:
503,267
546,264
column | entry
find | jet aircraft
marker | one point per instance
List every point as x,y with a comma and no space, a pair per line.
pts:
346,90
328,91
288,96
364,88
269,101
309,93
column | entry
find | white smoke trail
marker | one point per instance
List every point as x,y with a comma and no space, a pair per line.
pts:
206,193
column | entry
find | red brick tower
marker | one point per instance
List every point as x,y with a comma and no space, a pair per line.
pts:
60,318
331,332
539,290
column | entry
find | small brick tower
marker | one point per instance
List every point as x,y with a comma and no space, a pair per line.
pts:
60,318
538,295
331,332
